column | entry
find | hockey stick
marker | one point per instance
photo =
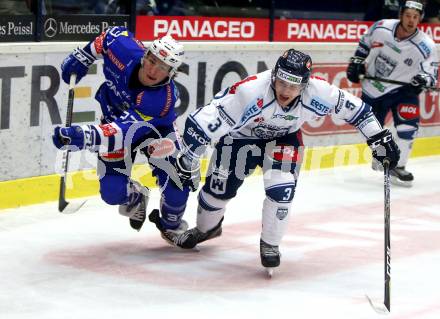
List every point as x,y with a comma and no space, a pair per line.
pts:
367,77
387,244
63,205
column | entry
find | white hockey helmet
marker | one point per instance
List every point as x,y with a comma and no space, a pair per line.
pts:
416,5
169,51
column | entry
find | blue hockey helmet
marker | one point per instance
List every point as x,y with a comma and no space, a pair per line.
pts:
293,67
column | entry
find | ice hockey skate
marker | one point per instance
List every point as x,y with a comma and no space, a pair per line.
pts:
193,236
398,176
401,177
270,257
136,207
171,236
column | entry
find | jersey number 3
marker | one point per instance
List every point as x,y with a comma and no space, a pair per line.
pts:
214,126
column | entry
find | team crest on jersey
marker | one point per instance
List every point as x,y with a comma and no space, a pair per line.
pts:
384,65
268,131
260,103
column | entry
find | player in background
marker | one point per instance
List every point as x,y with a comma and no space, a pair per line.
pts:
396,50
257,122
137,101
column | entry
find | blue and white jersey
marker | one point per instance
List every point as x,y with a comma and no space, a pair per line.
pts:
393,59
248,109
124,100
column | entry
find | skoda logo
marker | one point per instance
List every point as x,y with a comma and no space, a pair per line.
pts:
50,27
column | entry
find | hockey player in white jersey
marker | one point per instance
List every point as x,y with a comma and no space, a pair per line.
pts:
396,50
257,122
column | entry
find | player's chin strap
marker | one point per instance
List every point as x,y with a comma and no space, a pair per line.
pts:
63,205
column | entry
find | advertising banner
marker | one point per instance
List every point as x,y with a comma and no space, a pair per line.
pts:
17,28
202,28
320,30
333,30
34,98
79,27
240,29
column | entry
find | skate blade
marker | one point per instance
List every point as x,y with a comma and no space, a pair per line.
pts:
269,271
397,182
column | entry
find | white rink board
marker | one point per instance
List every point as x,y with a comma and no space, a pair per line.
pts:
30,76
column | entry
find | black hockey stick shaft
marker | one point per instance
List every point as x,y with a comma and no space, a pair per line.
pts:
367,77
387,241
62,203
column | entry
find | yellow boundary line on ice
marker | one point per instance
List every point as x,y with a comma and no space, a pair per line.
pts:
33,190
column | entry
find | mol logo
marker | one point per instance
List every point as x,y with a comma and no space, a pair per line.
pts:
408,111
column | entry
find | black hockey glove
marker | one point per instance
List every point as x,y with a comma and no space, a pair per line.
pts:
355,68
384,147
188,170
418,82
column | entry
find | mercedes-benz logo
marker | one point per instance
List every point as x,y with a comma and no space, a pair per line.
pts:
50,27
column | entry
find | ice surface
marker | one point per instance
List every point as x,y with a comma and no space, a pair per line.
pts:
93,265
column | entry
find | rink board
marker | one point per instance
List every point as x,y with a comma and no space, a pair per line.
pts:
34,100
40,189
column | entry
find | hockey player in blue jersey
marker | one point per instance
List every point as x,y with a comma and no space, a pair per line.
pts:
395,49
257,122
137,101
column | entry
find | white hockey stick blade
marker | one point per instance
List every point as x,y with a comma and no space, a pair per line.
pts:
379,308
73,206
